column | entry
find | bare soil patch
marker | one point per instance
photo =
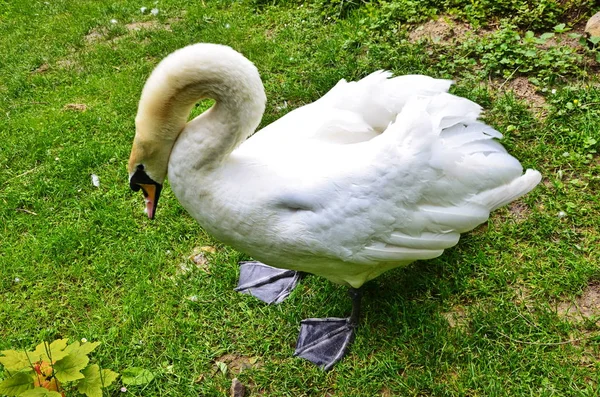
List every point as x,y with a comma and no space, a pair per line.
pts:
77,107
42,68
457,317
95,35
523,90
585,307
236,364
147,25
519,211
101,33
443,30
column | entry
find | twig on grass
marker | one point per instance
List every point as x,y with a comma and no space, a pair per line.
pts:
26,211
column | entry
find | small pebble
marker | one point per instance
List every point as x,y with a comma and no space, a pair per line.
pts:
123,389
143,10
237,388
154,11
83,340
592,27
562,214
95,180
113,21
17,280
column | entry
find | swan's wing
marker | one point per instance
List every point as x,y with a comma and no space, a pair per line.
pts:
405,195
350,112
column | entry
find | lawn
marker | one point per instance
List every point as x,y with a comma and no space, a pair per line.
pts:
513,309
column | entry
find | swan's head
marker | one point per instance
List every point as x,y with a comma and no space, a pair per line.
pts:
147,170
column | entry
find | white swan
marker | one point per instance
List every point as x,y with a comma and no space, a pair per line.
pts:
374,175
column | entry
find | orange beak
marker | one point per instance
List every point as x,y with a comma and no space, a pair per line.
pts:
151,194
140,180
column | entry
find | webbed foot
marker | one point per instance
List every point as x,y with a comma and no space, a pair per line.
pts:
269,284
324,341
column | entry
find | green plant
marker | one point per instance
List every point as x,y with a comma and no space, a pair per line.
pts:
51,369
507,52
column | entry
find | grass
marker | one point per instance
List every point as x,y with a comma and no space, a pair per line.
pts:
78,261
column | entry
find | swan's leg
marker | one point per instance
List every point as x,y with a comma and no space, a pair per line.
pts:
269,284
324,341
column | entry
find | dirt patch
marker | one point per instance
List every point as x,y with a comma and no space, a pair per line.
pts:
523,295
42,68
385,392
66,63
235,364
519,211
77,107
585,307
147,25
95,35
101,33
198,259
457,317
525,91
444,30
270,34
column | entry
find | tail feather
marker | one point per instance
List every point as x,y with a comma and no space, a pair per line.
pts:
464,150
502,195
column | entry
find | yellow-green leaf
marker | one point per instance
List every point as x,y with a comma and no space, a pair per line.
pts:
67,369
16,384
14,361
83,348
136,376
108,377
40,392
95,380
52,352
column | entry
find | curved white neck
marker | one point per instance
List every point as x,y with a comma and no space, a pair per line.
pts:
188,75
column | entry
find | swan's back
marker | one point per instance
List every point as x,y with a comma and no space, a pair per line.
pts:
350,112
374,175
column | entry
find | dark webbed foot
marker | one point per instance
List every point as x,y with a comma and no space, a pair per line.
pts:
325,341
269,284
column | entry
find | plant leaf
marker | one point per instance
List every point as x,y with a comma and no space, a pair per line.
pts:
40,392
84,348
108,377
16,384
55,348
546,36
14,361
92,383
222,367
67,369
136,376
560,28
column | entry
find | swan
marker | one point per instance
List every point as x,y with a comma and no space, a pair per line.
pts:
376,174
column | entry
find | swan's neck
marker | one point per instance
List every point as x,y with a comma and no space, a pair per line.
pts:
183,78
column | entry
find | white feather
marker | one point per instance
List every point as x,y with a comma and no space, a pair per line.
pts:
374,175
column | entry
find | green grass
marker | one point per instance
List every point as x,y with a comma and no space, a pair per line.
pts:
78,261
